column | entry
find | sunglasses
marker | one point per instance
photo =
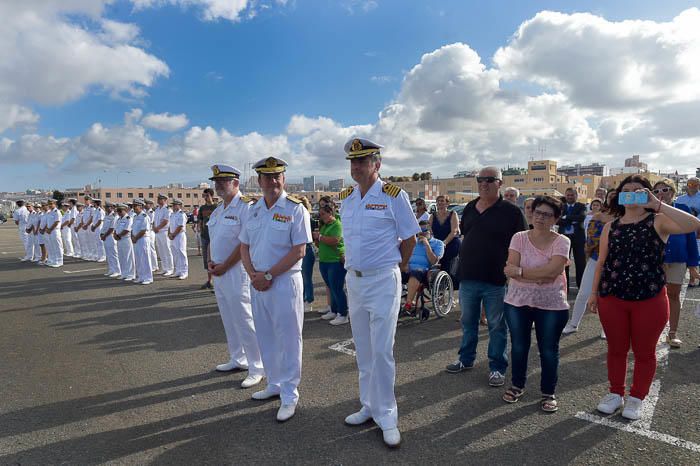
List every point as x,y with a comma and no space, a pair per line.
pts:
661,190
540,213
486,179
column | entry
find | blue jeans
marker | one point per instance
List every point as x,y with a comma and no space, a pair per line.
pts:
333,274
472,294
548,328
307,272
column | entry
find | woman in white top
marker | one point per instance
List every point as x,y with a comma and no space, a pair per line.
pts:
421,211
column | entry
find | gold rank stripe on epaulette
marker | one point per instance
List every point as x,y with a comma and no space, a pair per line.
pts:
246,199
294,199
391,189
345,193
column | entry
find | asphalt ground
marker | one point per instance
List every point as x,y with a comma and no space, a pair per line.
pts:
98,371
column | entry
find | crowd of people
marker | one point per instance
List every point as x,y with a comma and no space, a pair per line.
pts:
507,263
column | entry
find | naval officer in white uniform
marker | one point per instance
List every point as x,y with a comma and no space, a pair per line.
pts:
379,230
66,229
21,218
54,244
273,243
177,234
110,243
161,217
151,216
125,248
231,282
141,241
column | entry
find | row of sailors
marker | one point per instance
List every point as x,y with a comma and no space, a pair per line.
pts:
129,238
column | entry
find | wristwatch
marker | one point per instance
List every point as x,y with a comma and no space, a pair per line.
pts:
268,276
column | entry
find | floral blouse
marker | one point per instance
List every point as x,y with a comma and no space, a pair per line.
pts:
633,270
595,229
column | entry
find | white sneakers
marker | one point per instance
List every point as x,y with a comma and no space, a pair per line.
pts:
286,412
323,310
360,417
115,275
168,273
392,437
612,402
329,315
181,277
230,366
569,329
339,320
633,408
251,381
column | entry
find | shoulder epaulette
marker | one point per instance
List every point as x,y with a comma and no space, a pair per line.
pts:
345,193
391,189
294,199
246,199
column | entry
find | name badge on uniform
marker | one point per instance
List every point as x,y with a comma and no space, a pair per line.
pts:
281,218
231,217
375,206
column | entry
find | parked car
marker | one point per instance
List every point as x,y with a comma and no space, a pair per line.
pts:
459,208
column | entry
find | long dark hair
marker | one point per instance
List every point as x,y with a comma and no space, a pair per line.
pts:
619,210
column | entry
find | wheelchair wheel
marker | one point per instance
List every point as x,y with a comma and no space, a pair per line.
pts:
442,294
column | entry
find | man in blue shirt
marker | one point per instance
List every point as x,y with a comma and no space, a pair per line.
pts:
691,199
427,252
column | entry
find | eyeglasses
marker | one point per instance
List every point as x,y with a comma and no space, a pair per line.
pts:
486,179
540,213
661,190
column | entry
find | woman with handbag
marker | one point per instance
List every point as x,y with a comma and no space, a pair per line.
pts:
331,261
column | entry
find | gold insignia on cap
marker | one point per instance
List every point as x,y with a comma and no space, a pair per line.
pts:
271,162
356,145
215,170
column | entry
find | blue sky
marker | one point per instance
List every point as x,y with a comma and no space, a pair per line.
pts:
341,60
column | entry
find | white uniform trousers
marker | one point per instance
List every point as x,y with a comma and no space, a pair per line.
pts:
178,248
99,246
48,245
154,256
232,291
55,247
75,236
166,256
67,241
86,244
112,255
142,257
125,248
35,250
278,314
374,303
24,237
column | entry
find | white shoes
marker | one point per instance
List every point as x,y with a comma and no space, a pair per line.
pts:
101,260
107,274
329,315
285,412
339,320
147,282
168,273
610,403
569,329
266,394
251,381
230,366
114,275
128,279
323,310
633,408
182,277
392,437
360,417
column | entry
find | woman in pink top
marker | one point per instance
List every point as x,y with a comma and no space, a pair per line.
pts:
537,294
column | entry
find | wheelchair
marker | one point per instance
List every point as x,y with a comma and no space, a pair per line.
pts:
436,290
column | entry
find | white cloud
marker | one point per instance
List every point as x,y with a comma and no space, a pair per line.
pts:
165,121
212,10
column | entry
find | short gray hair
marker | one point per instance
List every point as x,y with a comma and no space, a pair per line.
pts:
497,171
511,189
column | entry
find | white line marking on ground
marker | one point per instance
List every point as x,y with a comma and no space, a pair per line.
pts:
643,425
634,429
342,347
85,270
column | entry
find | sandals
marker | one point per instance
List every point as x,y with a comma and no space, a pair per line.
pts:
548,403
513,395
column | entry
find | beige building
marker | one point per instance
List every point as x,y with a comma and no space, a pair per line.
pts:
190,197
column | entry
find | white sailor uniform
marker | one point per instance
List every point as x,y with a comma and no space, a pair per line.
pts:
75,216
125,248
98,217
66,235
278,312
162,240
110,244
21,215
232,289
151,233
54,243
373,227
87,242
142,253
178,245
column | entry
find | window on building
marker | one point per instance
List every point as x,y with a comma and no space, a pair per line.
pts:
130,195
179,195
150,195
108,195
187,195
170,195
141,195
120,195
195,195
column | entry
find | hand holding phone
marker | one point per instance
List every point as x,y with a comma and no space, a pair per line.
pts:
633,198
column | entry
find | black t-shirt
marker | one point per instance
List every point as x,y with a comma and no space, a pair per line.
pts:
487,235
203,216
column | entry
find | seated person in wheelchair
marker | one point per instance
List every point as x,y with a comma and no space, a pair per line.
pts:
426,254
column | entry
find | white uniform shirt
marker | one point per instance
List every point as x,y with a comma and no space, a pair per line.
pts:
97,215
141,223
74,215
177,219
52,217
21,215
87,215
108,222
65,218
271,233
42,219
122,223
225,225
151,215
160,214
33,221
374,226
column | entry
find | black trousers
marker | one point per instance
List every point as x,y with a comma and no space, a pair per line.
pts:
578,244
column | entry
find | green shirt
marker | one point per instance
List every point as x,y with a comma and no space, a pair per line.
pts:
327,253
